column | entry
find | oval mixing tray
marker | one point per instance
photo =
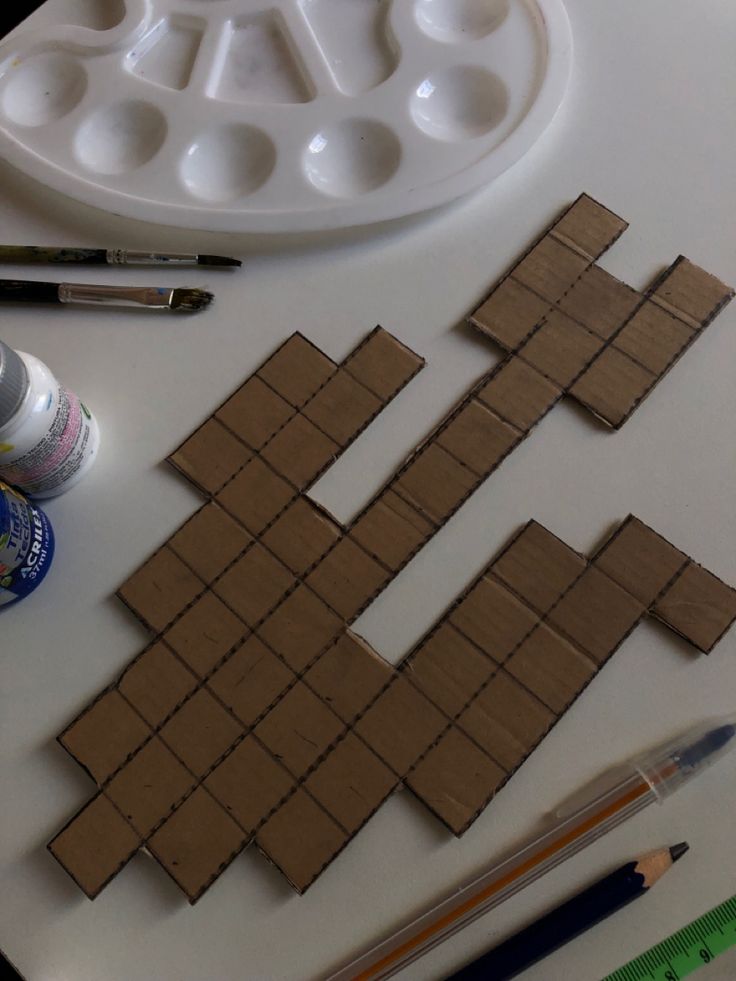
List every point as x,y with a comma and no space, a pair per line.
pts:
280,115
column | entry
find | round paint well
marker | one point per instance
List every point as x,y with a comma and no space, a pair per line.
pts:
459,103
227,162
460,20
43,88
119,138
352,157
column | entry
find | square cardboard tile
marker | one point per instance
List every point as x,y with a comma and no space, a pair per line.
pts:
351,783
538,567
590,226
299,729
639,560
600,302
197,843
455,780
519,393
435,483
255,412
147,788
104,735
695,294
300,451
204,635
347,578
448,669
200,732
391,529
510,313
493,618
560,348
342,407
161,589
301,839
506,721
613,386
349,675
155,683
654,338
95,845
383,365
251,680
301,535
550,668
699,606
249,784
478,438
211,456
256,495
297,370
253,586
401,725
550,269
300,628
596,613
209,541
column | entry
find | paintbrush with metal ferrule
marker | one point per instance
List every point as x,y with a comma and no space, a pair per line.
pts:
154,297
108,257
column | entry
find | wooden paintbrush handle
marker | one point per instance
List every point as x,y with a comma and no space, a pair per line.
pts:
36,254
24,291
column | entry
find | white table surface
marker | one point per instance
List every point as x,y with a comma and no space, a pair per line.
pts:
648,128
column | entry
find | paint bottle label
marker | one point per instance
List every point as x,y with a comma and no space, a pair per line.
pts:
64,450
26,546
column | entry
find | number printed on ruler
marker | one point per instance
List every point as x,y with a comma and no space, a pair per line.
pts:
685,951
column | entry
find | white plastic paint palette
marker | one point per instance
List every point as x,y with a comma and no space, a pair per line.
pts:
280,115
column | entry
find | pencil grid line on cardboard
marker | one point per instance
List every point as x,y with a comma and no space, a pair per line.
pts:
256,714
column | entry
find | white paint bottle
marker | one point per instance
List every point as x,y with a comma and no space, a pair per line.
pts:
48,438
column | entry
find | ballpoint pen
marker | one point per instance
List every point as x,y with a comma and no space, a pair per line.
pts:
587,816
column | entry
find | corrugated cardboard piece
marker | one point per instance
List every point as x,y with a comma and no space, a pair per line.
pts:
586,333
255,714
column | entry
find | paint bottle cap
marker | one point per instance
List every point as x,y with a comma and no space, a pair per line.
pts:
13,383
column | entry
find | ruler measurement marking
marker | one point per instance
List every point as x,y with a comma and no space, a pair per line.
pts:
693,945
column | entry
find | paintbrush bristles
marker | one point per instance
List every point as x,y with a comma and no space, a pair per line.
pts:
217,260
190,300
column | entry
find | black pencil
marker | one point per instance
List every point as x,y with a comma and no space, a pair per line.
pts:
572,918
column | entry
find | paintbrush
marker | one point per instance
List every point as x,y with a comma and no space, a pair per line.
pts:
108,257
156,297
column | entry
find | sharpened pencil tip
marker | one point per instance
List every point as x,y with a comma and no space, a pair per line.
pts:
217,260
677,851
